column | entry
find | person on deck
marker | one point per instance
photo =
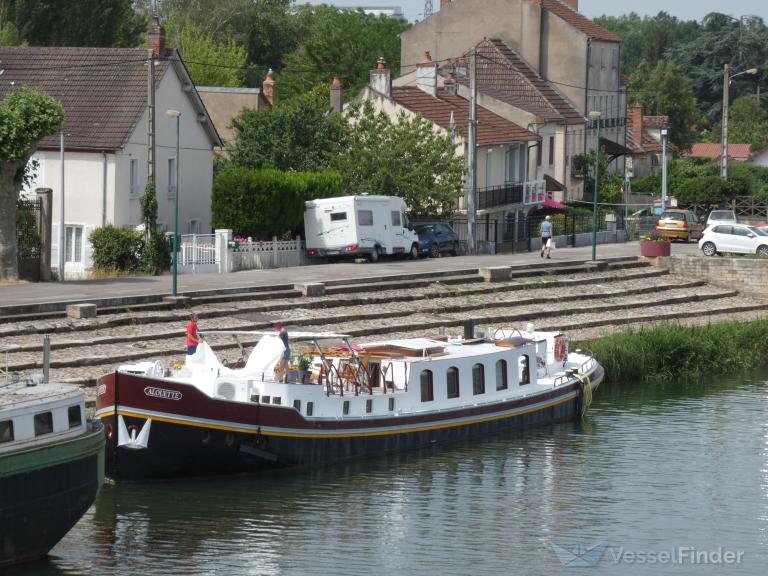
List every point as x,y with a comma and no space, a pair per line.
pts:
546,236
283,364
193,337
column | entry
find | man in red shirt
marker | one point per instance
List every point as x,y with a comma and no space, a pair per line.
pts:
193,338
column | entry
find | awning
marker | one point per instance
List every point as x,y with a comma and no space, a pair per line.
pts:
553,185
614,149
554,204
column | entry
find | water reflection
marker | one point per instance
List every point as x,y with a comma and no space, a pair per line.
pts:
655,466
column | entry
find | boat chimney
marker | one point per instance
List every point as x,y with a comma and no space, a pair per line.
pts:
469,329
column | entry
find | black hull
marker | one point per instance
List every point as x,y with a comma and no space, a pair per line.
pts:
39,507
178,450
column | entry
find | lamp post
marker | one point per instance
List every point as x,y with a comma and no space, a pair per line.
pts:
175,114
664,132
727,77
595,116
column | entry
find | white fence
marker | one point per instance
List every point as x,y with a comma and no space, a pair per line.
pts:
219,252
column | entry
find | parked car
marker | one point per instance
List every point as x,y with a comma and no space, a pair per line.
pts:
734,238
437,237
721,217
680,225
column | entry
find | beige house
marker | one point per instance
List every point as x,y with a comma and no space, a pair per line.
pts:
644,141
550,45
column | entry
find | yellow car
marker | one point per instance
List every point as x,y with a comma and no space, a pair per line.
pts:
679,225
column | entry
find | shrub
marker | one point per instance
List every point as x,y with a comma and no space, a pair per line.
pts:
268,202
116,249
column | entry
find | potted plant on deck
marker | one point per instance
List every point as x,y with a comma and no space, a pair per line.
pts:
654,245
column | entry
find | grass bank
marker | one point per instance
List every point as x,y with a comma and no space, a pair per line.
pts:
673,352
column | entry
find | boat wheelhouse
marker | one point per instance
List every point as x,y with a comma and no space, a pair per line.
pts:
206,418
51,466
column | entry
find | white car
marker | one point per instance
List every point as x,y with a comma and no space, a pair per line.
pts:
734,238
721,217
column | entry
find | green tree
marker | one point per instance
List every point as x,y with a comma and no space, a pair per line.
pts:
210,63
9,35
299,135
748,124
664,91
75,22
407,158
155,255
25,117
343,42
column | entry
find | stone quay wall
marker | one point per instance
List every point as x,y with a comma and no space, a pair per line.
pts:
745,275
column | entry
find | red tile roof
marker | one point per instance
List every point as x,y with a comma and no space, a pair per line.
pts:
503,74
491,128
708,150
646,145
579,21
103,90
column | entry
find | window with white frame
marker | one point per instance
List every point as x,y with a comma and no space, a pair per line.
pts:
172,178
133,172
73,247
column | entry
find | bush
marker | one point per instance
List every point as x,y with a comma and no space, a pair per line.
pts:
116,249
265,203
155,255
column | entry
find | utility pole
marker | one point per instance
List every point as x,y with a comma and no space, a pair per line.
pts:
664,137
151,118
724,146
62,230
471,153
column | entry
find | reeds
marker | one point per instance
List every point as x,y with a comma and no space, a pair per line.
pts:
682,352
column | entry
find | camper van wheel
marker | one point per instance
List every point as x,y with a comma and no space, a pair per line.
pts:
414,253
374,256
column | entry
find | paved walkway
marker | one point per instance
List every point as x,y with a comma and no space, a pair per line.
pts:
83,290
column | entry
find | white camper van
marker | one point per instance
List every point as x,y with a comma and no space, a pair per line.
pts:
353,226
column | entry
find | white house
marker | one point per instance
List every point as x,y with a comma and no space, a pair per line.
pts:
104,95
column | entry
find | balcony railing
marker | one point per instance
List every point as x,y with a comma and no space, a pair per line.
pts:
495,196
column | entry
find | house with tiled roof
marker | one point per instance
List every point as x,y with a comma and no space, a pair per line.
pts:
104,93
644,141
714,151
505,193
573,56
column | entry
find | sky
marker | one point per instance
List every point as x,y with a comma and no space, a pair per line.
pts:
683,9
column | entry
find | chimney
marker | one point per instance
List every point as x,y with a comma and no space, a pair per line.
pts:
636,121
268,89
574,4
156,36
381,78
426,75
450,84
337,95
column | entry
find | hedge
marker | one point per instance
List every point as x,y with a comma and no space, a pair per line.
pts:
268,202
116,249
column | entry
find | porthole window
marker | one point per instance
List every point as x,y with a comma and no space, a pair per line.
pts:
310,407
346,407
427,387
368,406
501,375
391,404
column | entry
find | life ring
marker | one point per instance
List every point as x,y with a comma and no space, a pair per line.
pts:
561,349
108,429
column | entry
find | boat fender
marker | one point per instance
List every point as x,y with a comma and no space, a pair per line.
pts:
230,439
205,436
561,349
109,431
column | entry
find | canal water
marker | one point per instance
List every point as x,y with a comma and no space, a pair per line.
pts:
661,479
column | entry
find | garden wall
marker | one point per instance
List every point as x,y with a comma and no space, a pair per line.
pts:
748,275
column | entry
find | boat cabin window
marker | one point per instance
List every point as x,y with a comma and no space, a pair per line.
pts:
427,387
6,431
391,404
310,407
277,400
338,216
478,379
452,382
75,419
265,399
368,406
501,375
43,423
346,407
525,369
297,405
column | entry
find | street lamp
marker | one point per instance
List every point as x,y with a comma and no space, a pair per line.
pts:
664,132
595,115
175,114
727,77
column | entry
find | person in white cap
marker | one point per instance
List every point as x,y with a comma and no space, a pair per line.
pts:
546,236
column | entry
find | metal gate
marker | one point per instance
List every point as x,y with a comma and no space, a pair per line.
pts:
28,241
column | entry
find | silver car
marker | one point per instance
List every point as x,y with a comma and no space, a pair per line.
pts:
734,238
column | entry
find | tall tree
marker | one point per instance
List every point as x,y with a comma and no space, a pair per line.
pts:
406,158
25,117
74,22
296,136
748,124
343,42
742,43
664,91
